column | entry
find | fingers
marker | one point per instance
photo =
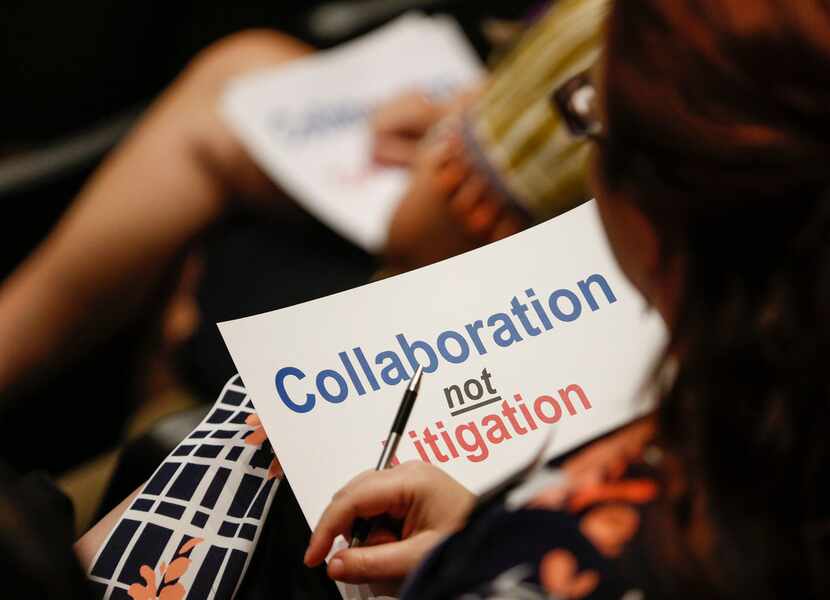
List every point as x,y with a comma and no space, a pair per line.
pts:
399,125
468,196
382,562
483,217
482,212
393,150
368,495
410,114
380,535
507,225
437,152
439,163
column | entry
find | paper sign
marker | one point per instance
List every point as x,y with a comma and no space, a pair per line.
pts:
307,123
537,331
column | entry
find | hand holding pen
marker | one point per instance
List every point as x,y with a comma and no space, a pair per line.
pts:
427,502
362,527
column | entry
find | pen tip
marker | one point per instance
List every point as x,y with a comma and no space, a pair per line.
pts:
416,379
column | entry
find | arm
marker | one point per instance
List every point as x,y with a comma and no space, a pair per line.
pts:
178,522
168,181
91,541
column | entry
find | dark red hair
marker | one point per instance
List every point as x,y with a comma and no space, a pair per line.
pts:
718,128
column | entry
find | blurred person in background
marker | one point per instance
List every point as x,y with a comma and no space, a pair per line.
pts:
480,175
164,185
496,160
132,228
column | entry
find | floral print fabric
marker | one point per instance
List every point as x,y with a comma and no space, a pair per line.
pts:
583,542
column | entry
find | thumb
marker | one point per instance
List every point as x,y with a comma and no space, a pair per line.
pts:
382,562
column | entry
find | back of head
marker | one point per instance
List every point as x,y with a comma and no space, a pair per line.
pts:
718,122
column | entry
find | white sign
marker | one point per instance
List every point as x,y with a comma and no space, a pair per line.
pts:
537,331
307,123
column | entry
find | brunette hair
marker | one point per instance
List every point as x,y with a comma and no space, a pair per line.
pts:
718,127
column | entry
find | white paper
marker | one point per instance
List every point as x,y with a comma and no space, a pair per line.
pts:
607,352
307,123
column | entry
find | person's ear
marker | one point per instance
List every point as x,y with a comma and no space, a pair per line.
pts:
636,241
648,249
658,271
632,237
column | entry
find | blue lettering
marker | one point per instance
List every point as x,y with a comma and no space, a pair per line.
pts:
576,307
279,381
462,345
344,358
472,331
507,327
321,386
585,288
409,353
361,358
395,365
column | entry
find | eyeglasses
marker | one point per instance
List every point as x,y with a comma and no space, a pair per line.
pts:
576,100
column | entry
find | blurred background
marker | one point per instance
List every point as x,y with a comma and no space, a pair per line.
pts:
76,76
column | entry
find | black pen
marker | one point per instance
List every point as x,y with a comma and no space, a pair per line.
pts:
362,527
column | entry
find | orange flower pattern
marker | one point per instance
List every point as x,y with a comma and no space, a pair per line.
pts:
636,491
256,438
169,587
195,493
559,574
610,527
590,521
609,521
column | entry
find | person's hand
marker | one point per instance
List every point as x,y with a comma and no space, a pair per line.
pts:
428,503
399,124
448,208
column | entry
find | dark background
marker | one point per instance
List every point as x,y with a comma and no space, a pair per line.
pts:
70,68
